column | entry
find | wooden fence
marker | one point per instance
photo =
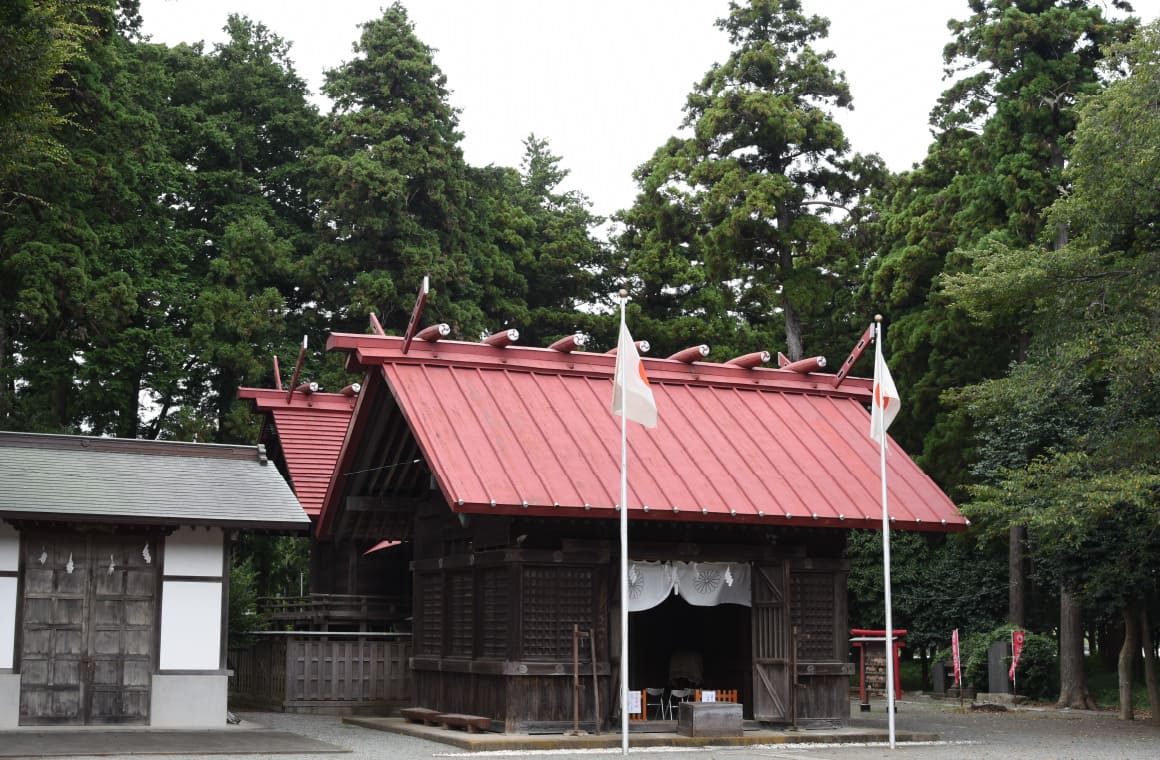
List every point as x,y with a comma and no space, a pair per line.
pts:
310,671
331,612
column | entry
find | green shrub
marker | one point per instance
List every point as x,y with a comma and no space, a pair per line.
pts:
910,674
1037,676
1104,686
243,603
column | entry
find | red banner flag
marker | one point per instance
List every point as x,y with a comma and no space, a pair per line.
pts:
955,653
1016,650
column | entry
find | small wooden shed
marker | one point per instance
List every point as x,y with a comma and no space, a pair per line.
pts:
499,467
114,575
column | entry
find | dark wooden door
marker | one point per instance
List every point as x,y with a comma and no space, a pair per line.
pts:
87,634
771,643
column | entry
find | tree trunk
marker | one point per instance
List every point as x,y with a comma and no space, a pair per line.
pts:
1016,577
1124,667
1150,665
793,331
1058,162
1073,691
128,418
6,386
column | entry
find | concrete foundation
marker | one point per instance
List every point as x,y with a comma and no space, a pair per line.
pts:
188,701
9,700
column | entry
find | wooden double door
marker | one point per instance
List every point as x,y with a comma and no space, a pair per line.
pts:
799,629
87,634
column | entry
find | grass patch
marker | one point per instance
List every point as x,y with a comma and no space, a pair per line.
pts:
910,675
1104,686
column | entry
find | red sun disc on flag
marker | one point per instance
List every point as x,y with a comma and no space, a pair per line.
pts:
643,376
880,400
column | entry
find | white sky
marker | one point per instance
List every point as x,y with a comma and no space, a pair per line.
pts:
605,81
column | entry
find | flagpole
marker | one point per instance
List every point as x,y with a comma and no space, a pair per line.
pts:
623,551
885,551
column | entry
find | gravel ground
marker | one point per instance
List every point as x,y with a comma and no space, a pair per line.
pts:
1018,734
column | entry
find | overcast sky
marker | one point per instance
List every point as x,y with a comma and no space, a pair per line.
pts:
605,80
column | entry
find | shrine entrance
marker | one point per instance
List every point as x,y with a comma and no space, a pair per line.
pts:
690,633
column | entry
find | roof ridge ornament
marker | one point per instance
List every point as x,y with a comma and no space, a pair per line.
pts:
297,369
755,359
502,338
642,346
417,312
570,343
859,347
432,333
804,366
691,354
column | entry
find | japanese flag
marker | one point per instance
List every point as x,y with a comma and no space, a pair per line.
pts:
885,402
631,395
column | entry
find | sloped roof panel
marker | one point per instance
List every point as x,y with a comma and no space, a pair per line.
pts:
519,430
148,482
310,430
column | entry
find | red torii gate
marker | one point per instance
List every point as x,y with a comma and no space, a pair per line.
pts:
859,637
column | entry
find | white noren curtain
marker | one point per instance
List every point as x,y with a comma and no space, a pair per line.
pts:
704,584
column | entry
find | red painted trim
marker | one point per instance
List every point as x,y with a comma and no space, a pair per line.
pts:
268,400
331,502
368,351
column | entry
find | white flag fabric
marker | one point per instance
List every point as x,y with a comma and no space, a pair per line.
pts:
631,394
885,403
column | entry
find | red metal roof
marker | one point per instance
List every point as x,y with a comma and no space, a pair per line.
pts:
529,431
310,430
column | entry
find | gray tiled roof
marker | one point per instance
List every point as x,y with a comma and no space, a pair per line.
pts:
150,482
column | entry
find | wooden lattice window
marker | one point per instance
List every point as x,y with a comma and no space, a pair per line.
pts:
429,601
461,614
494,636
555,599
813,614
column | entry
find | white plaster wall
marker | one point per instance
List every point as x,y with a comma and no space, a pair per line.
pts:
9,562
9,548
191,625
194,552
188,701
7,621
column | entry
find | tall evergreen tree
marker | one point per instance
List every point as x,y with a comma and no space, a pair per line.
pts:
38,41
766,184
569,268
1075,423
391,187
81,254
240,124
994,167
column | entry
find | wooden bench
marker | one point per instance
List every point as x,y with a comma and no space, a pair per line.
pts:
473,723
424,715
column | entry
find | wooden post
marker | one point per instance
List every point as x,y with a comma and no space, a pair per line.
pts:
575,679
793,682
595,682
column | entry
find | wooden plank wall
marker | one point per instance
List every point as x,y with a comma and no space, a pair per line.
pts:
823,700
259,672
356,669
291,670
